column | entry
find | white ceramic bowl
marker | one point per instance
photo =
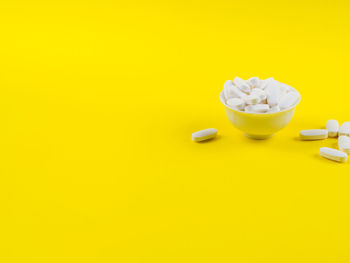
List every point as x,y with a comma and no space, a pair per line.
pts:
259,125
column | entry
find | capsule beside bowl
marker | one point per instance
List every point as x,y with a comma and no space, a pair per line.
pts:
259,125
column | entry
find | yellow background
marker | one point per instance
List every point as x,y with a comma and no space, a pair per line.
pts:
98,100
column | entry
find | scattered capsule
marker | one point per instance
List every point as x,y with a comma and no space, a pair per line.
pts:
333,154
204,134
314,134
344,143
344,129
332,126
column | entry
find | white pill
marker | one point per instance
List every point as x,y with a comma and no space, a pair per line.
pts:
264,101
252,99
344,143
257,91
288,100
273,93
241,84
228,93
286,87
254,81
260,108
314,134
236,103
260,92
231,91
249,109
333,154
275,109
204,134
332,126
344,129
283,90
257,85
264,83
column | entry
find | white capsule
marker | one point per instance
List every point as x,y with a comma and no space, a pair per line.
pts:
275,109
286,87
261,93
249,109
260,108
204,134
333,154
332,126
344,129
288,100
236,103
257,91
254,81
344,143
273,93
241,84
252,99
283,90
258,84
314,134
231,91
264,83
228,93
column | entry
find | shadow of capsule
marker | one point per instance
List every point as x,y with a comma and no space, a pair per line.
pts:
301,140
324,159
211,140
297,138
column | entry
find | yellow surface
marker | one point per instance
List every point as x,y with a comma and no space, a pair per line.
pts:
98,102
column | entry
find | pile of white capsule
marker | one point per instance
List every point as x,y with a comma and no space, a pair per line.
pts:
259,96
332,130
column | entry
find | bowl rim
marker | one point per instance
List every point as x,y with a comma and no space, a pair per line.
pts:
222,99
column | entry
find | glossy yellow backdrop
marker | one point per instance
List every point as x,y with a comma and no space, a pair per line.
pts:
98,100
